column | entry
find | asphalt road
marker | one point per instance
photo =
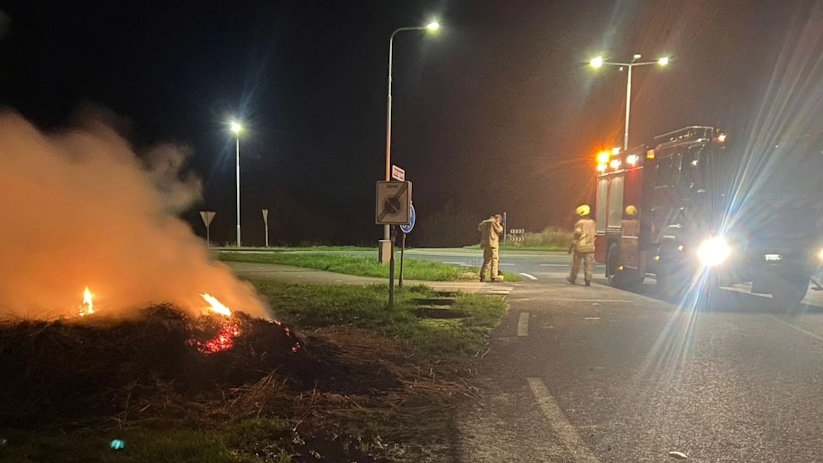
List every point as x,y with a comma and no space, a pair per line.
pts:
578,374
602,375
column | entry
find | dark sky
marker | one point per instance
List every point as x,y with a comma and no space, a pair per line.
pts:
498,112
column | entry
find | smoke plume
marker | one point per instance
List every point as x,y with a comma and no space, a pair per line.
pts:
79,208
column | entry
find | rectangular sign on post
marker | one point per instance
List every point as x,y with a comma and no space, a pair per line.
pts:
398,173
393,205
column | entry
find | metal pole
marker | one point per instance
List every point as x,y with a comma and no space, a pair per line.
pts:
267,233
402,252
238,192
386,232
391,269
208,236
628,108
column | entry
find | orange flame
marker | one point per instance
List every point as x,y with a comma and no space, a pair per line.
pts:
87,302
216,306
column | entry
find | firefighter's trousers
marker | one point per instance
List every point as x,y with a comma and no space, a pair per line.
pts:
491,261
588,265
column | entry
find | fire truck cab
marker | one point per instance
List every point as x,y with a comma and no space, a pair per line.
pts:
662,211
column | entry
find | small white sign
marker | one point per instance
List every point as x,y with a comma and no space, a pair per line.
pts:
398,173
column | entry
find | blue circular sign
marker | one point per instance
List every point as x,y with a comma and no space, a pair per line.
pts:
412,218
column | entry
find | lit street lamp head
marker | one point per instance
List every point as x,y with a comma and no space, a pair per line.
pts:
433,26
663,61
235,127
596,62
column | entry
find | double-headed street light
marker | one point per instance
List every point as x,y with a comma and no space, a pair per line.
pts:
598,62
236,129
432,27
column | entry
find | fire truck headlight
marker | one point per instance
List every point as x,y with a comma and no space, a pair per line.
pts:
713,251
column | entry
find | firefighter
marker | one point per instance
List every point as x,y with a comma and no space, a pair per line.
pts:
490,231
582,245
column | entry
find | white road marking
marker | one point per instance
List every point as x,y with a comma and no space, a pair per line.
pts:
459,263
591,318
799,329
572,299
507,265
560,423
523,324
530,277
555,265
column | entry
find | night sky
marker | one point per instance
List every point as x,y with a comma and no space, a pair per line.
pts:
498,112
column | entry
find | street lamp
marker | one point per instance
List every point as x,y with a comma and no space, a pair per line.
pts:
236,128
598,62
431,27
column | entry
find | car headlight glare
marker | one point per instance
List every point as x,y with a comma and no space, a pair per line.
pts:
820,255
713,251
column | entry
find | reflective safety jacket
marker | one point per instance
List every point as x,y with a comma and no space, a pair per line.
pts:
584,231
490,232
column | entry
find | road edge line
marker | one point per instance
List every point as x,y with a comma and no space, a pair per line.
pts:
560,423
523,324
797,328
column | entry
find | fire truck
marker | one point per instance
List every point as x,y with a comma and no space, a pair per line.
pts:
679,210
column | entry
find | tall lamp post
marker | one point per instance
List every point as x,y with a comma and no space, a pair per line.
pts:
599,62
432,27
236,128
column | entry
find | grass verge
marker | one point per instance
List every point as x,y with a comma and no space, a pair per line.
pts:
364,307
403,369
414,269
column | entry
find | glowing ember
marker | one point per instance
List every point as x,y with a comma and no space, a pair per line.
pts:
224,339
228,331
216,306
88,304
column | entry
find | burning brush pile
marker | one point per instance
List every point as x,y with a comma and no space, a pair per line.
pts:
80,369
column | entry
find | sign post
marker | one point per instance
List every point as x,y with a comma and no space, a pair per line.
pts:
266,224
393,207
406,229
207,217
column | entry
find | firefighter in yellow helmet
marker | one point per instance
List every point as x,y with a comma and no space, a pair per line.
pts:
582,246
490,231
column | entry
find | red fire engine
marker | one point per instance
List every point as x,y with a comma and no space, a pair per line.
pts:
663,210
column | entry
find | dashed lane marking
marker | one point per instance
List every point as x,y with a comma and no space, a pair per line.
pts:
523,324
560,423
798,329
530,277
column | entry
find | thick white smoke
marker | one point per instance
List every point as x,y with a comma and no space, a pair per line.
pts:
78,208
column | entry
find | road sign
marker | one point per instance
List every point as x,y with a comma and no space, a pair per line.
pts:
398,173
413,218
393,205
207,217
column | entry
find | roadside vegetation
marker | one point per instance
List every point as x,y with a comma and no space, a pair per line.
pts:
368,384
550,239
367,266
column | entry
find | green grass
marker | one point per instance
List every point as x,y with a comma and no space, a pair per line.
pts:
176,443
304,248
413,269
315,306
